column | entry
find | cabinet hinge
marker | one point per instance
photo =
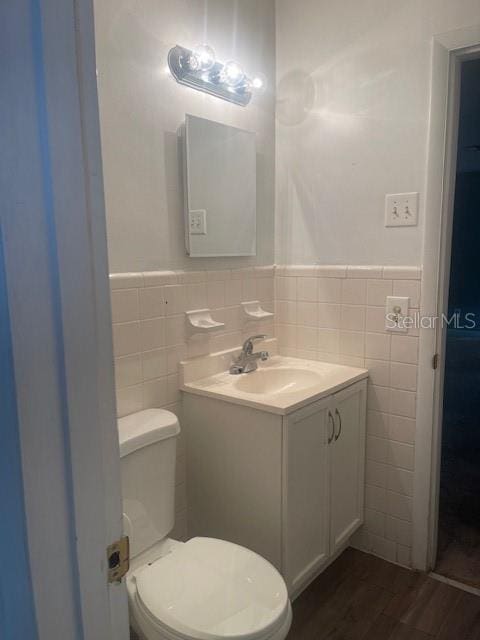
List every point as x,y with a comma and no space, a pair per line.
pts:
118,558
435,361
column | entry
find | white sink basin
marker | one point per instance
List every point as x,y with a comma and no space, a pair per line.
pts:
281,385
279,380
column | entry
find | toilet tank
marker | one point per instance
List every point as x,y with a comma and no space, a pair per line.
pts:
148,453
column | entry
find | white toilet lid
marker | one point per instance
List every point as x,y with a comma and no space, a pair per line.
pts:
208,588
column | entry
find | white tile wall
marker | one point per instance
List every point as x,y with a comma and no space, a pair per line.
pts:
150,336
346,322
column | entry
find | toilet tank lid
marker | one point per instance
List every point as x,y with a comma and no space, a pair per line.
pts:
146,427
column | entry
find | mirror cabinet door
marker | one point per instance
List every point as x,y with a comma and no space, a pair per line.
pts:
220,189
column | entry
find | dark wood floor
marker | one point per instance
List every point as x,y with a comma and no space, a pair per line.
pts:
458,552
360,597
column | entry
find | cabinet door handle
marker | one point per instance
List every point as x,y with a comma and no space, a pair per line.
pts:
330,417
337,435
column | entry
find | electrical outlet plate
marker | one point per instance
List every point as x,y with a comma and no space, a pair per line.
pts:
395,312
197,222
401,209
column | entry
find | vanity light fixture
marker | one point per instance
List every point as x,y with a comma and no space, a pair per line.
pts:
199,69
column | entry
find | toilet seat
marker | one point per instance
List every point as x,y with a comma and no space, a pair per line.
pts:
209,589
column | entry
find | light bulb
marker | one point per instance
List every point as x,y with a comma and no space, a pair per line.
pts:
232,73
190,62
259,82
205,56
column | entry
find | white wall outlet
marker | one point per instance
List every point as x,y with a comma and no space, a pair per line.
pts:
396,313
401,209
197,221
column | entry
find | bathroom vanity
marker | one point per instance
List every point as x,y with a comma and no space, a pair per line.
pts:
276,460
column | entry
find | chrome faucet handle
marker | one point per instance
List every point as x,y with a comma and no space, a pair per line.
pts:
246,361
248,344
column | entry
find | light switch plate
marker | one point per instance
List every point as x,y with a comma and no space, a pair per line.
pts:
401,209
197,222
395,312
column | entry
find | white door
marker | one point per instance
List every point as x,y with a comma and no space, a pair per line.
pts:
52,222
347,463
306,490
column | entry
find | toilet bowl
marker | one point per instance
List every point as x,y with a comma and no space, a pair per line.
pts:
202,589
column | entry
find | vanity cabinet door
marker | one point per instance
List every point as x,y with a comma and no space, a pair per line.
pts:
347,463
306,492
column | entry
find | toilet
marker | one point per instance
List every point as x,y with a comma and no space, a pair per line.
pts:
203,589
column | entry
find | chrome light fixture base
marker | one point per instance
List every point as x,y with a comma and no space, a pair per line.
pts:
209,81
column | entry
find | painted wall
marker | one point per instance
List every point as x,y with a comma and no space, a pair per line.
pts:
352,117
141,108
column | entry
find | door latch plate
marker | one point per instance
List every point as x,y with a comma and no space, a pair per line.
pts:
118,559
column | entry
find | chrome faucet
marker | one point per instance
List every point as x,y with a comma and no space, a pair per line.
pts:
247,361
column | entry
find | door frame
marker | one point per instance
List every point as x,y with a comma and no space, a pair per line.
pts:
52,221
449,50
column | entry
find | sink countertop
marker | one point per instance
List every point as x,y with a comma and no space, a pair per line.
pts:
328,378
